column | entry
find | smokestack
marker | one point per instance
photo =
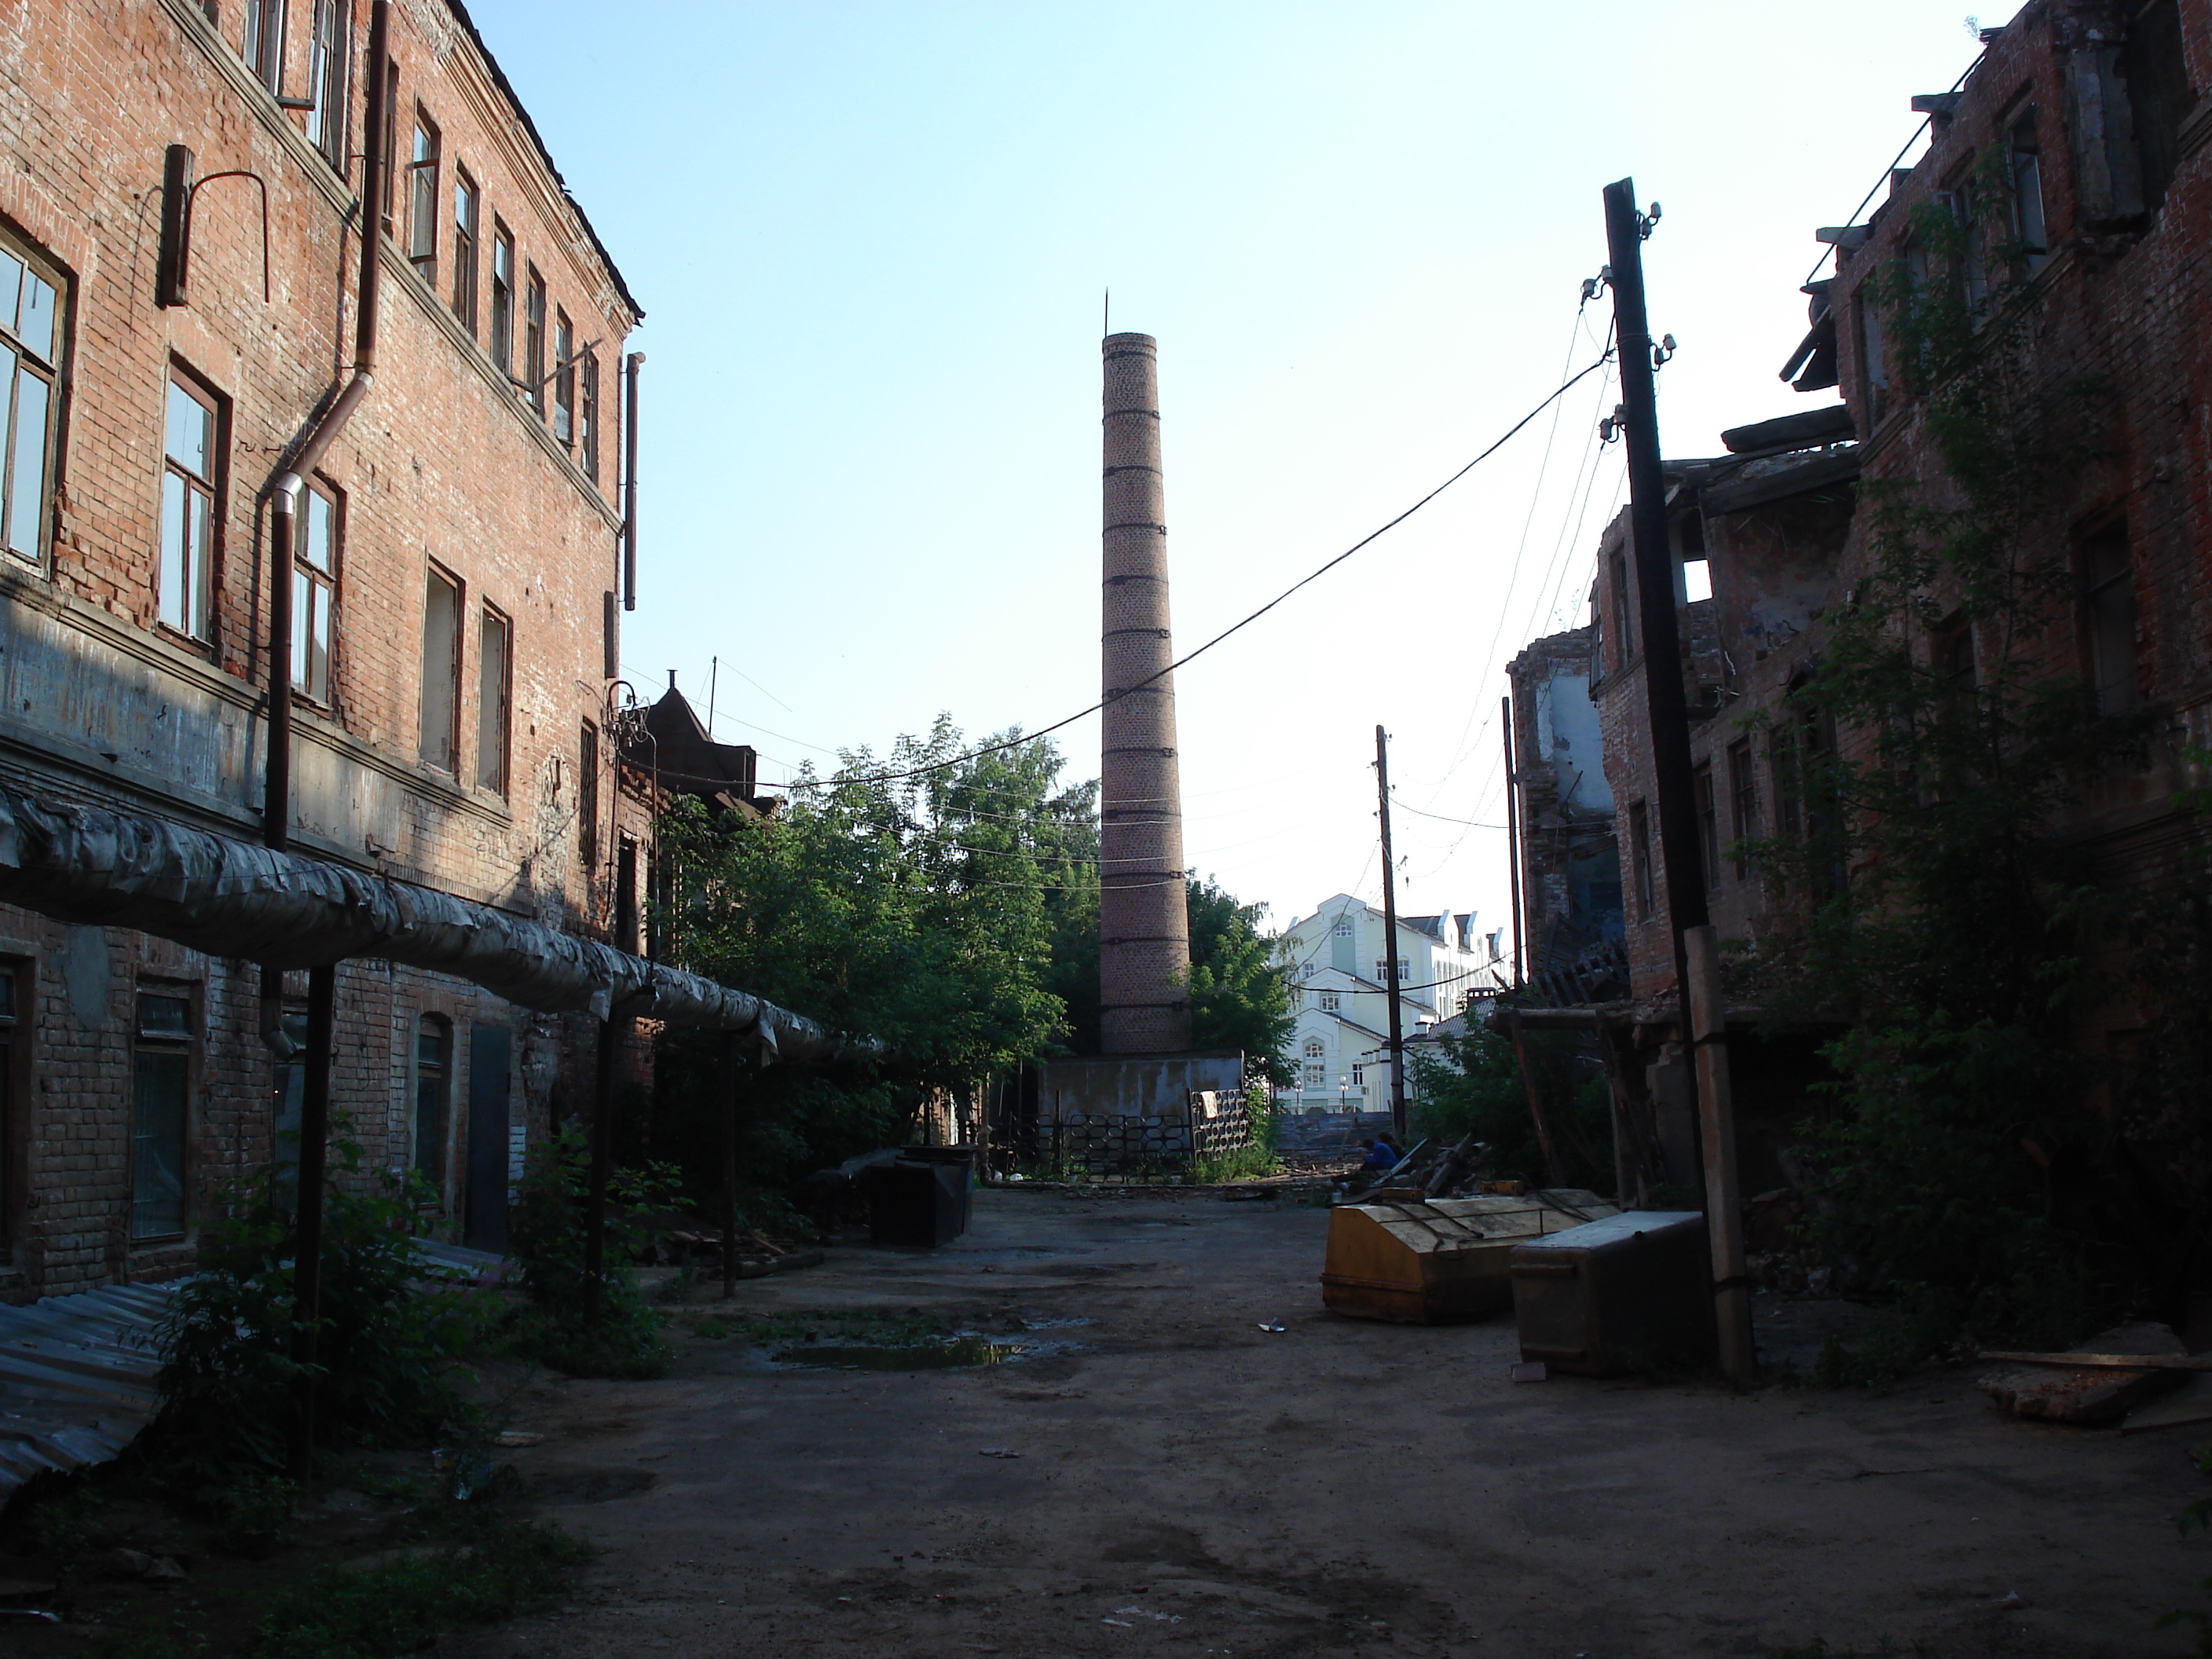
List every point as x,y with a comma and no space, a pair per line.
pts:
1143,918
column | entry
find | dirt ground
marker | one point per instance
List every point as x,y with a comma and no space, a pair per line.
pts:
1187,1483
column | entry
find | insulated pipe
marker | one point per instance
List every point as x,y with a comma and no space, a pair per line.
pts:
1144,919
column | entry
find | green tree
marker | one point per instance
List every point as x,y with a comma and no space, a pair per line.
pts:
1473,1086
1239,998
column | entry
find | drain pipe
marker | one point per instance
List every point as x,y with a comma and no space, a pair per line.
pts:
276,782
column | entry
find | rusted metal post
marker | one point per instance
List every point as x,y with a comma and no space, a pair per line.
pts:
1397,1027
307,1234
732,1075
1717,1129
603,1152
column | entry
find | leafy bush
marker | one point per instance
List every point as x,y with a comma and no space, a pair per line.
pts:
393,1333
545,1243
1475,1089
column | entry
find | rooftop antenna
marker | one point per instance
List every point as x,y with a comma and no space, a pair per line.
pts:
1106,320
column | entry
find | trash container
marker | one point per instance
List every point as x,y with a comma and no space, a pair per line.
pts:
916,1203
1438,1262
966,1159
1630,1292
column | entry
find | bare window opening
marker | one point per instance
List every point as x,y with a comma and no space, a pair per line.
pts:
434,1070
326,81
564,378
533,341
2026,165
1743,802
1696,580
160,1110
466,206
494,662
442,669
2108,617
1709,822
1639,856
1874,365
28,354
1624,612
2152,60
315,592
422,201
502,299
190,457
263,46
587,432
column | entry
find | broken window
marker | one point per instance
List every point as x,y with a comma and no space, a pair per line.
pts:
564,378
314,591
30,351
188,518
442,669
1639,856
533,341
1709,823
262,45
2108,617
502,344
434,1070
587,800
422,201
161,1112
1624,612
2158,93
494,662
326,81
466,206
1743,802
2026,167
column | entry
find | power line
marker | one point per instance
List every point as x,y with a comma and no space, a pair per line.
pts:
1235,627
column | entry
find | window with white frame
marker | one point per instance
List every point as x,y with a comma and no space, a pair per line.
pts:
1315,1071
1330,1002
30,349
315,592
1306,971
1343,928
190,455
1382,971
1359,1077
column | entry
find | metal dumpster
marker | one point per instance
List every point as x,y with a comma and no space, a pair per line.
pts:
1441,1262
916,1203
1629,1293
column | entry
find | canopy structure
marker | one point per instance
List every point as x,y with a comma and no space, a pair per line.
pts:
231,898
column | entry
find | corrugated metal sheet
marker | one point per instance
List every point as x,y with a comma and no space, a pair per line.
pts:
77,1378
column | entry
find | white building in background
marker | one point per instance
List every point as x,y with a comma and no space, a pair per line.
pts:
1339,967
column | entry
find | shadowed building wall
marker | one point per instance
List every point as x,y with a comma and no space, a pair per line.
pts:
1143,923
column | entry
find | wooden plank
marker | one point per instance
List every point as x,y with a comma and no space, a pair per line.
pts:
2106,1362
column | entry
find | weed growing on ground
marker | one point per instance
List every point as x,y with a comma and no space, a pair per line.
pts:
253,1514
487,1568
157,1636
1244,1164
2198,1515
545,1241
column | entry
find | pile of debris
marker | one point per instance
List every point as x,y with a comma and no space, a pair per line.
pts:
757,1256
1435,1168
2141,1376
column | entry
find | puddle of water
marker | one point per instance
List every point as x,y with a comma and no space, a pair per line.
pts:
907,1356
1052,1324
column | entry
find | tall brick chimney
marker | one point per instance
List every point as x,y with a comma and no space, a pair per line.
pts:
1144,919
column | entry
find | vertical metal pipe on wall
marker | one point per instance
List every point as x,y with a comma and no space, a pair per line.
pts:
631,364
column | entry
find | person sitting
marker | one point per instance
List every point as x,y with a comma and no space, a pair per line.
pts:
1381,1154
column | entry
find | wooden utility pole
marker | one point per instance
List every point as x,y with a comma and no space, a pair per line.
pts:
1681,864
1513,840
1390,942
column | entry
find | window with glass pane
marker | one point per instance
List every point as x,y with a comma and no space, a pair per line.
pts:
466,208
315,593
587,800
327,82
492,659
263,46
422,201
29,352
442,669
564,378
434,1051
533,341
187,573
161,1096
502,299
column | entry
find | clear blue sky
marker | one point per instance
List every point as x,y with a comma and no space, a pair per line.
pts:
872,240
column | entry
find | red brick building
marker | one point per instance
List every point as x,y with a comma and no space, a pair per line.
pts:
459,547
2074,158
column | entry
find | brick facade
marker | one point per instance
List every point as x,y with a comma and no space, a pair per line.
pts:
448,466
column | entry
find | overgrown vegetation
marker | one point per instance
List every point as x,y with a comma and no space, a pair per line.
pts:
1944,916
1474,1086
951,916
545,1243
390,1350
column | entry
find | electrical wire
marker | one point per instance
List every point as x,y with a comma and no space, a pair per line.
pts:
1829,251
1238,626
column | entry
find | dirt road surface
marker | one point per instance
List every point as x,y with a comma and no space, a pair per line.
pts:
1186,1483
